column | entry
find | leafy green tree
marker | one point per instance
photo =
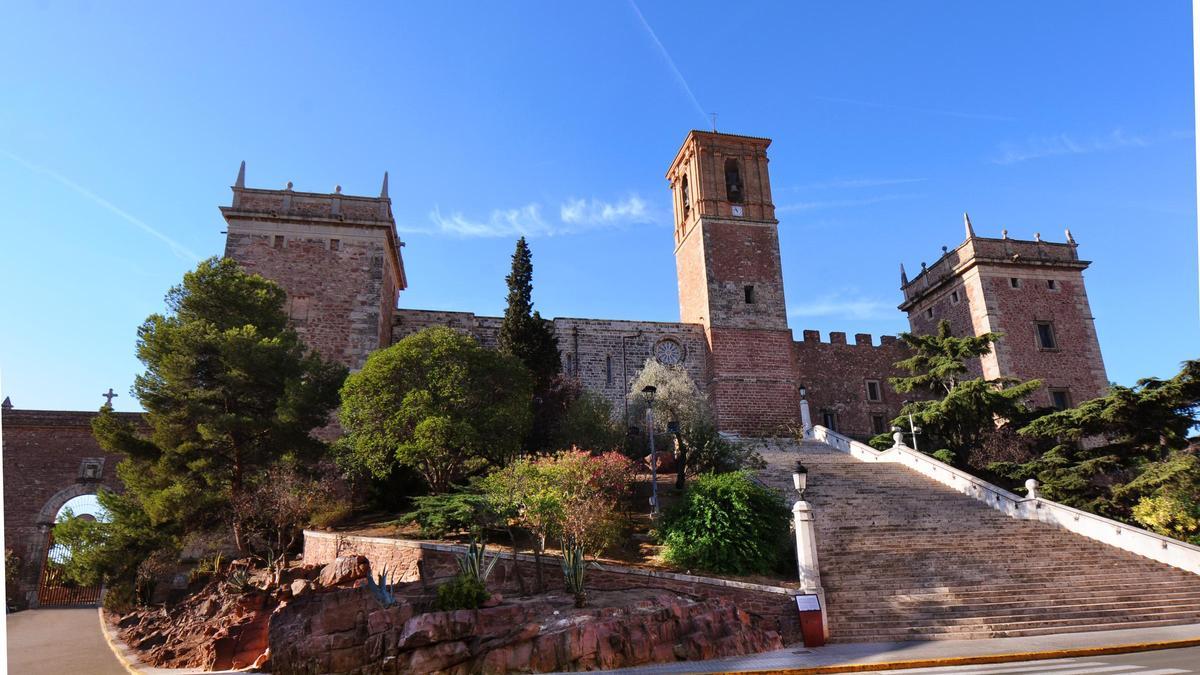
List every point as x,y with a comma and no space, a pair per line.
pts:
587,423
523,332
1126,454
530,338
438,402
229,390
110,551
682,411
961,412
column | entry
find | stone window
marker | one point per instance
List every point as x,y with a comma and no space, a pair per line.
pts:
733,181
878,424
1045,335
298,308
954,297
749,295
608,374
91,469
278,242
1052,284
1014,282
829,419
335,244
570,363
685,196
873,391
1060,399
929,313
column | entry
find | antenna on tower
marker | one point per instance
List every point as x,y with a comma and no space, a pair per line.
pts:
714,121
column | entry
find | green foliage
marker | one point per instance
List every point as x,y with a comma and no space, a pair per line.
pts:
111,552
229,389
438,402
710,452
120,597
523,332
944,455
474,562
587,424
461,592
573,495
12,577
463,510
966,413
1124,455
726,523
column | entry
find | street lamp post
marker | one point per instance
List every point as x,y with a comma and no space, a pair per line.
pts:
912,429
805,415
649,391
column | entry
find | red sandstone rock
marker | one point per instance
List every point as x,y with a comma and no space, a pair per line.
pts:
344,570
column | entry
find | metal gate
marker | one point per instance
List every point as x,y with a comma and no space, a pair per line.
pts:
54,588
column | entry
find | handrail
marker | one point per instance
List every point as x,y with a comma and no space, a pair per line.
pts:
1127,537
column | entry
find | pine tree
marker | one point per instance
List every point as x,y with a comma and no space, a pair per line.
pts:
960,413
523,332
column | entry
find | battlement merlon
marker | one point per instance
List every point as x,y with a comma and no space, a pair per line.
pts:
333,212
1004,251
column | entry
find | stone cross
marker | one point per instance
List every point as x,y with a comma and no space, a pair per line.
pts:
108,397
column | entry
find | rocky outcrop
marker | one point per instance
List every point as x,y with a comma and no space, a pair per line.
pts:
346,631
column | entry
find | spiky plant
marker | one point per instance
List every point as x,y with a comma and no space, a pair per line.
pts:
573,564
381,587
474,562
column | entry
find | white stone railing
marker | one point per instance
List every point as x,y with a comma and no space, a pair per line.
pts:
1120,535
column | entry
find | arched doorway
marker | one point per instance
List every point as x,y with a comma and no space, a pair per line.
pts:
54,588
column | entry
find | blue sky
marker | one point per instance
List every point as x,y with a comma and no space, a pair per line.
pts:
123,125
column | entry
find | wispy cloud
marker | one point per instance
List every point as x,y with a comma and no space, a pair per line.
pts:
662,50
597,212
853,183
1063,144
840,203
178,249
917,109
575,215
845,306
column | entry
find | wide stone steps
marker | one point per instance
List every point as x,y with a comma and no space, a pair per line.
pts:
904,557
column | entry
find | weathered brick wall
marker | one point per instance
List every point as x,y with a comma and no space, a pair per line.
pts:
44,452
972,287
753,383
836,374
606,356
336,256
440,561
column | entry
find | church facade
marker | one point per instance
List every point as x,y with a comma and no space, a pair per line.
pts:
340,261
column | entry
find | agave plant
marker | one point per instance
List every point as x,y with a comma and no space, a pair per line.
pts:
381,587
573,564
475,564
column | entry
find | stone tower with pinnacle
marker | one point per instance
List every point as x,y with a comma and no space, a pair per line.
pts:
336,256
731,279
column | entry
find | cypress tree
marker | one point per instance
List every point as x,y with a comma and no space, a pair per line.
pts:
523,333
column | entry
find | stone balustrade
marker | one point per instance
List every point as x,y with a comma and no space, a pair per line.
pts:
1120,535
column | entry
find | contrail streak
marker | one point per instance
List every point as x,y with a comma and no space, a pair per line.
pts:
670,61
176,248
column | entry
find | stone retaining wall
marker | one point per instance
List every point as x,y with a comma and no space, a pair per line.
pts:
406,559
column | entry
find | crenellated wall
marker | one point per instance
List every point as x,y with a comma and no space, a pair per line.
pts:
836,375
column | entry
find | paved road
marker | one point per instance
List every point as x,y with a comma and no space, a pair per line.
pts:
1163,662
57,641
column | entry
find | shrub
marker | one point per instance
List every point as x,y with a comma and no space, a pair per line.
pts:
459,511
120,597
461,592
726,523
713,453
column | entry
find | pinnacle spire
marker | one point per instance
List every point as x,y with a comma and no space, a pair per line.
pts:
903,276
241,179
967,223
383,192
1070,239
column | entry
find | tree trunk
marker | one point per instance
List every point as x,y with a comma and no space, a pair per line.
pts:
681,458
537,563
516,565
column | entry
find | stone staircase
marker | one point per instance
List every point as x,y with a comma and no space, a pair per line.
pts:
903,557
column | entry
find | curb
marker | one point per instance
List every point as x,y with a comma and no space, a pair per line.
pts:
982,659
117,647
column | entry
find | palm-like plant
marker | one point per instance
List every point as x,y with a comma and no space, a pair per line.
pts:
573,564
475,564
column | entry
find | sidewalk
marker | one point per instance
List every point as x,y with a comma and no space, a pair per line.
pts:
861,656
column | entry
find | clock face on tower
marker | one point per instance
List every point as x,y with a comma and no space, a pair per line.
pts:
668,352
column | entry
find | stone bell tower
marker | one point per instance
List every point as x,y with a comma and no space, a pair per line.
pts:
731,278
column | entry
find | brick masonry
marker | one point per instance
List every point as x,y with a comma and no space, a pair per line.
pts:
408,558
47,460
